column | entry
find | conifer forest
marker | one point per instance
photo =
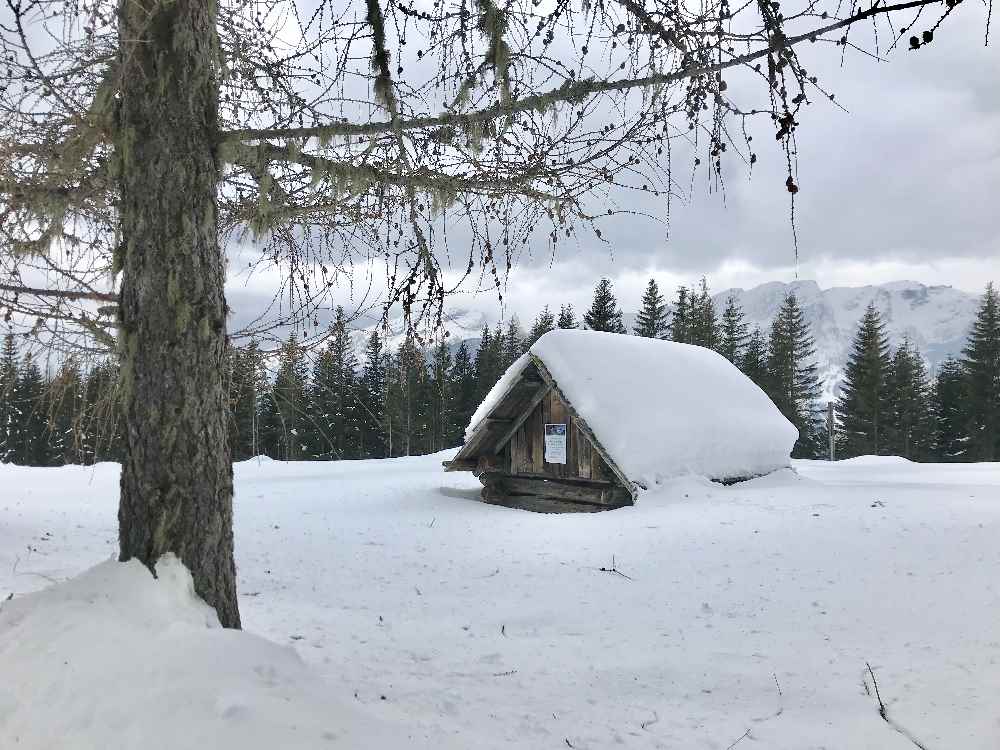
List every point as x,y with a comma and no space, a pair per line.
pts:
333,402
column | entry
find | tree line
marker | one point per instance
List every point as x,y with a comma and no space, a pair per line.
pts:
411,400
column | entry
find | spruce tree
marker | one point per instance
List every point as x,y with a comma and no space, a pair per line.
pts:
911,425
604,314
754,360
334,401
463,390
567,317
863,406
34,429
66,408
734,332
245,394
407,385
441,398
680,317
950,440
545,321
285,419
10,415
792,381
651,322
104,424
704,327
484,367
981,376
512,344
372,401
496,354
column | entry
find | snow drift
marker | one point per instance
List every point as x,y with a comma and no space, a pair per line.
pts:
660,409
117,659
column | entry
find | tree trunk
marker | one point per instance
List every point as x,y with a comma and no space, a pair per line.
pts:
177,485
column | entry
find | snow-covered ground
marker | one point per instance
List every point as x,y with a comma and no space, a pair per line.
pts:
742,614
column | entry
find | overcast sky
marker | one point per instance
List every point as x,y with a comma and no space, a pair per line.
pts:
906,185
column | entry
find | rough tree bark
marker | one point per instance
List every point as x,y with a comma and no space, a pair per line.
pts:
176,486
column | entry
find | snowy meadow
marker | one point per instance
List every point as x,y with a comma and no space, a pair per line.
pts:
399,611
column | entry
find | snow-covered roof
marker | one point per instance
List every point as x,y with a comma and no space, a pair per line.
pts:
659,409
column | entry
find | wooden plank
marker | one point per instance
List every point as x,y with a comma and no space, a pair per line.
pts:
583,453
604,494
467,464
556,414
542,392
518,452
534,431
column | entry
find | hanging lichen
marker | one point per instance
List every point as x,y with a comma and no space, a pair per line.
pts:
384,93
493,23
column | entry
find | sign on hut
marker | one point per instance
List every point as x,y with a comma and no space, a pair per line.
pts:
585,420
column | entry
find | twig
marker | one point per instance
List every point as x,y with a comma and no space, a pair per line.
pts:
881,705
885,715
614,570
650,722
505,674
745,735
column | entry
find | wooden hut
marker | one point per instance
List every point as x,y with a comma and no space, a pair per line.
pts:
536,441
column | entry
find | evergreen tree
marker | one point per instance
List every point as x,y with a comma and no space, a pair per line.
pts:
911,415
463,391
496,354
372,401
704,325
104,426
604,314
545,321
863,406
336,433
567,317
409,422
981,376
651,322
34,430
734,332
10,414
441,398
66,408
285,428
487,364
680,317
754,360
792,382
246,386
512,344
950,441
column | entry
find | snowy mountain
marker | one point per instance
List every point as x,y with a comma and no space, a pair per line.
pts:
458,325
937,319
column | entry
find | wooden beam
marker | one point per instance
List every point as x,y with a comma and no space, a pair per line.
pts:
459,465
597,493
522,418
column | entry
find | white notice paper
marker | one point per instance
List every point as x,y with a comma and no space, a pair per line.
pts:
555,443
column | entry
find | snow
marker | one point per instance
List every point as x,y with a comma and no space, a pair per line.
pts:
497,393
753,607
116,658
661,409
